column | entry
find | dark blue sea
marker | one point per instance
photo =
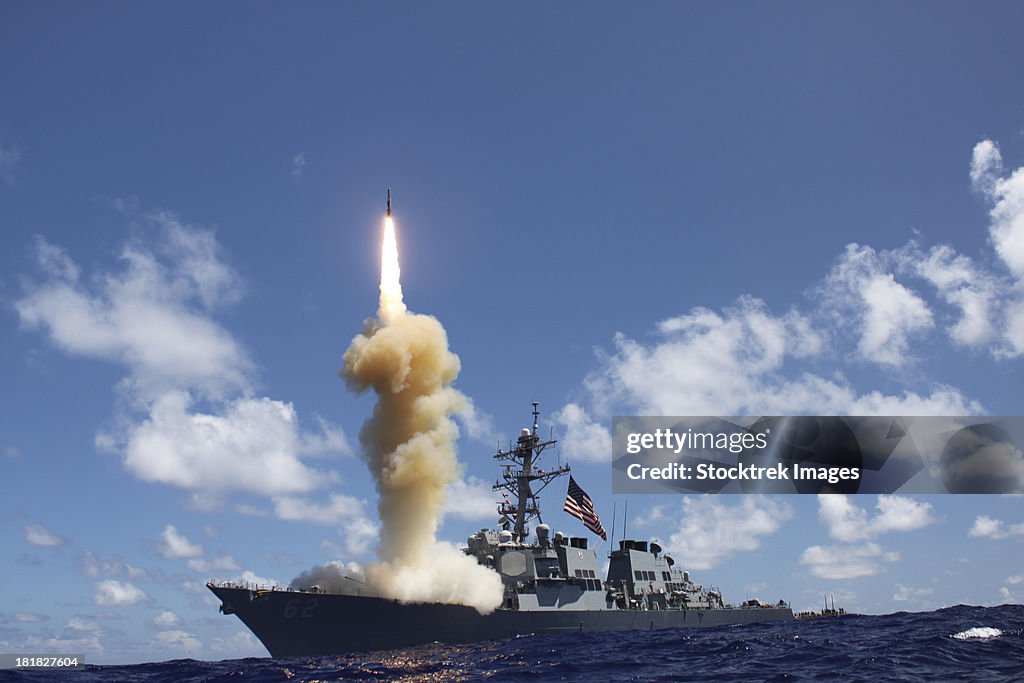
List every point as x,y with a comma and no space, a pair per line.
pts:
952,644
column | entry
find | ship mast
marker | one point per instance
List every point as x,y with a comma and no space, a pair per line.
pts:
521,505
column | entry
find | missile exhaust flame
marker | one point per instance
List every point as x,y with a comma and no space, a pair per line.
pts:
409,446
391,303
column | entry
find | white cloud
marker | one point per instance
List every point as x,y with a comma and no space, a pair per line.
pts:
997,529
887,313
706,363
250,510
1007,195
238,646
1006,233
943,400
253,446
336,510
93,565
37,535
655,515
848,522
198,272
582,438
298,165
180,640
9,158
1015,579
151,317
217,564
735,363
113,592
986,165
847,561
154,316
1013,331
711,531
478,425
745,360
470,498
249,578
79,624
198,595
166,619
343,511
176,546
961,283
906,593
88,644
1010,597
330,439
30,618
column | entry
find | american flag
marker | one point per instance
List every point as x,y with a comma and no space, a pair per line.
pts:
578,504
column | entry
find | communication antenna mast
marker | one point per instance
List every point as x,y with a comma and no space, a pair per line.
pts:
520,505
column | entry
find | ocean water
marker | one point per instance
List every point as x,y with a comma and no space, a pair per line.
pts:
952,644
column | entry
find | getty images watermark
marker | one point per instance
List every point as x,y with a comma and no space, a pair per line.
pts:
818,454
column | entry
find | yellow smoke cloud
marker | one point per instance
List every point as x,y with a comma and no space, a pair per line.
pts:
409,446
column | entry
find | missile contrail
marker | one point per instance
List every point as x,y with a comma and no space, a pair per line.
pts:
409,447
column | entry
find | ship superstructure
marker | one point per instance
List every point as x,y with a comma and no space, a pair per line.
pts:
551,583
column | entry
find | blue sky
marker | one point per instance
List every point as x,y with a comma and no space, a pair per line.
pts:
667,209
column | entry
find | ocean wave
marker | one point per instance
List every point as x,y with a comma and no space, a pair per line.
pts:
978,633
907,647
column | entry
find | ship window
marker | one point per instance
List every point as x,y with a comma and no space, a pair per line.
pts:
592,574
579,573
547,567
649,576
638,574
665,576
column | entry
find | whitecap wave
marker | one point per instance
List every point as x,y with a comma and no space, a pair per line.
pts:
978,633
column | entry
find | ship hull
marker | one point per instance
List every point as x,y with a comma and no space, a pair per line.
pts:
296,624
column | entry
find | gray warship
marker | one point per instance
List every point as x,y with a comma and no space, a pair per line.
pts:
551,584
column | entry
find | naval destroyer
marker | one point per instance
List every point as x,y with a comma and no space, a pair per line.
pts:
551,584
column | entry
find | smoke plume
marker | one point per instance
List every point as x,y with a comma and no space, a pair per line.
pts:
409,446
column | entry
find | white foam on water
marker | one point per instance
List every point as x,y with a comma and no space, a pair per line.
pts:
978,633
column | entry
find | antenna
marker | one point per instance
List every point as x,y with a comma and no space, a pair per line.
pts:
521,503
611,544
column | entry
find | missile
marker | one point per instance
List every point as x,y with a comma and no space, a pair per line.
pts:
389,200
